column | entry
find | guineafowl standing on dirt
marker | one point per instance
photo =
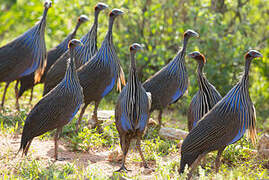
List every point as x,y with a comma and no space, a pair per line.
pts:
99,75
57,108
207,96
82,54
170,83
24,55
28,82
132,110
223,125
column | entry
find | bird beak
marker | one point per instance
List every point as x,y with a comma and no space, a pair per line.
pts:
80,43
121,12
103,6
190,55
258,55
140,48
195,34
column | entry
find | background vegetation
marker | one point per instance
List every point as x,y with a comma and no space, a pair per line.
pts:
228,29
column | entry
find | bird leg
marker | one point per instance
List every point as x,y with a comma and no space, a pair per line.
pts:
4,95
31,96
125,143
160,118
80,116
56,137
27,147
138,146
194,165
217,162
17,95
97,123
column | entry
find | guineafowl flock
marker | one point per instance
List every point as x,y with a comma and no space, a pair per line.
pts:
76,73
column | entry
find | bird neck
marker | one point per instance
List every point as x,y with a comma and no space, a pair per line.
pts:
133,63
96,15
44,16
245,76
73,34
110,28
200,68
200,75
133,75
71,65
183,51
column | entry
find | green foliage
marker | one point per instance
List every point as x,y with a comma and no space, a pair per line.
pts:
89,139
227,30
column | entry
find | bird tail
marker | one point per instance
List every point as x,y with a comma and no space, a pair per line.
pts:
24,143
121,80
39,72
252,128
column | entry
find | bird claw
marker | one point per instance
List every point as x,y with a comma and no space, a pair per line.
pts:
122,168
62,159
146,166
98,127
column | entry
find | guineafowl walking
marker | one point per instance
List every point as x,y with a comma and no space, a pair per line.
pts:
99,75
223,125
57,108
25,54
28,82
170,83
207,95
82,54
132,110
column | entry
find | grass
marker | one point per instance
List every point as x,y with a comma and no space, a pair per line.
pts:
239,161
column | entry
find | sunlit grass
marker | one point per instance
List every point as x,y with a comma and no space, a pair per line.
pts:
238,160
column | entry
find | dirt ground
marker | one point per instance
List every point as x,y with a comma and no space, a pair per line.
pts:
44,150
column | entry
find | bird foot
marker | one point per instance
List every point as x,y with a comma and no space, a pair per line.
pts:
158,127
62,159
77,128
97,125
123,168
146,166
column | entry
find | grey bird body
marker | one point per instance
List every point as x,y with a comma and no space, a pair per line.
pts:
24,55
57,108
171,82
82,54
224,124
205,98
99,75
132,110
28,82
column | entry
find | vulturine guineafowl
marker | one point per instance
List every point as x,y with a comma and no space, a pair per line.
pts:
57,108
206,97
28,82
99,75
132,110
170,83
223,125
25,54
82,54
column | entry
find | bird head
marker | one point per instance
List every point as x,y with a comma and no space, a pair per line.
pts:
190,33
135,47
197,56
115,12
100,6
74,43
251,54
82,19
47,4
